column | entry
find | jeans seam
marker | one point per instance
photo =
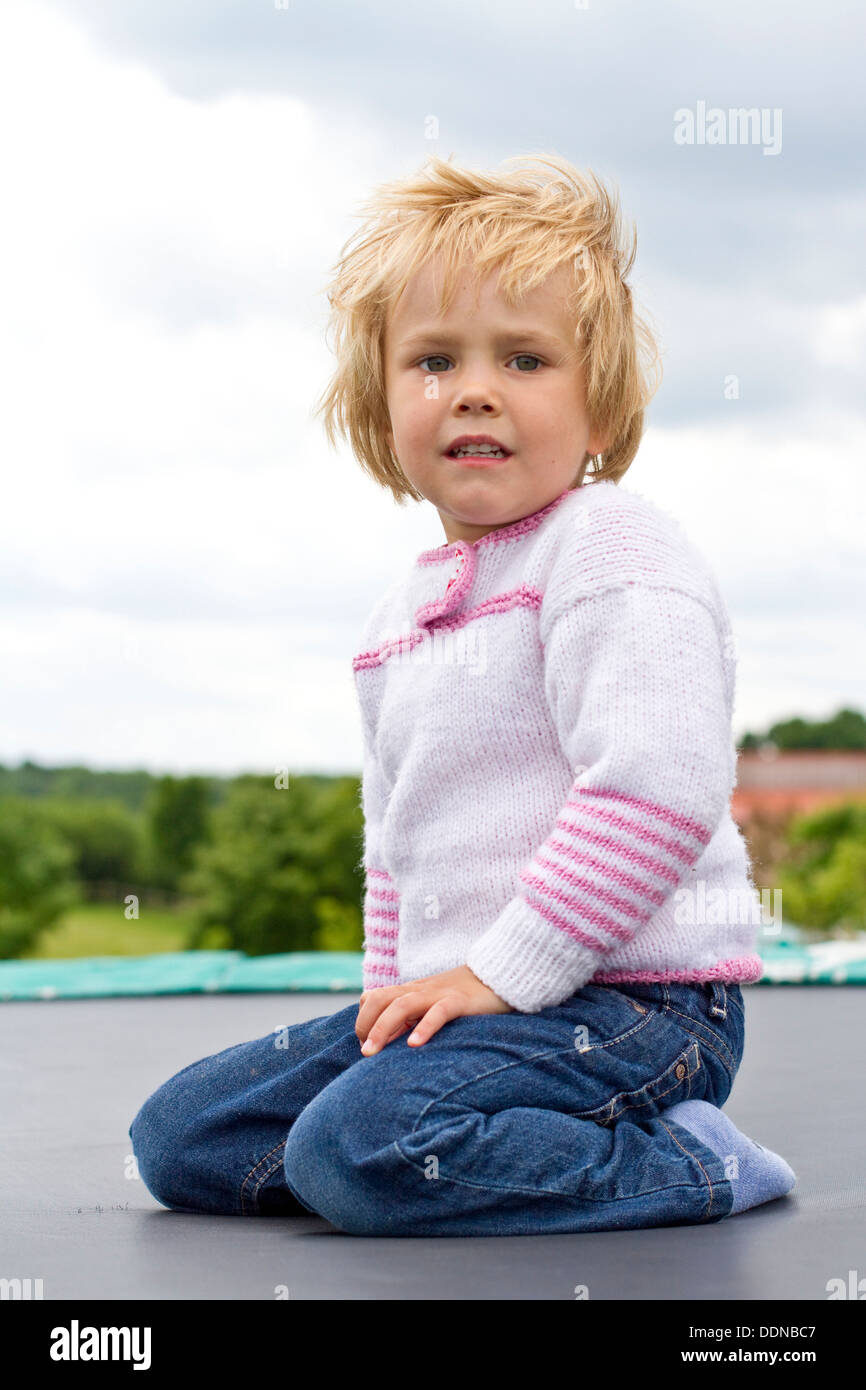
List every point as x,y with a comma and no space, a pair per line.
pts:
731,1062
566,1051
693,1047
547,1191
506,1066
262,1178
707,1177
620,1037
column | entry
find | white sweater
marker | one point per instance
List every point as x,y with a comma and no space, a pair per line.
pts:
549,760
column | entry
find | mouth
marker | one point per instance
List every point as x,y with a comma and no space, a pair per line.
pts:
477,450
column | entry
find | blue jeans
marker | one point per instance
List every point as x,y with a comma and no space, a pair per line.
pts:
500,1124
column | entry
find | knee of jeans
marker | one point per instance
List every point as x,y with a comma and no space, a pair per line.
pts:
149,1143
153,1146
314,1159
161,1150
327,1168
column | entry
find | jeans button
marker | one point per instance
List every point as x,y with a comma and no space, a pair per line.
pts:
680,1071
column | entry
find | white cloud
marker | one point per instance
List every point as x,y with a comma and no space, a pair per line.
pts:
779,516
184,564
840,335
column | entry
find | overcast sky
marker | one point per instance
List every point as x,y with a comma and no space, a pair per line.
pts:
185,566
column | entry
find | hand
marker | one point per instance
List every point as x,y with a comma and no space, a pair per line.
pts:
425,1004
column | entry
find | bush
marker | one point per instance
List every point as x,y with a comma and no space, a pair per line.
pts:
37,883
282,870
178,816
824,881
106,840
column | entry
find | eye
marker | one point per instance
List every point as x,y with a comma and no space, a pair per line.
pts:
527,357
434,357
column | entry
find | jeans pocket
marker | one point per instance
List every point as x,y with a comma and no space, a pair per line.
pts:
674,1083
713,1015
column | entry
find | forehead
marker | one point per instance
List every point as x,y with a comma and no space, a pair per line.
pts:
476,295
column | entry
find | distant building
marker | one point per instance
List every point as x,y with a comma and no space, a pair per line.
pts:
779,782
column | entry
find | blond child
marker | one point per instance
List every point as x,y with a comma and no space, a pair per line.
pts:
558,908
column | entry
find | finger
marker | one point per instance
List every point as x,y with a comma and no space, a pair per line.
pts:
440,1012
380,995
393,1022
371,1008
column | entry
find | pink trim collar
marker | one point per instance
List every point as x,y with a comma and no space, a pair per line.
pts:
505,533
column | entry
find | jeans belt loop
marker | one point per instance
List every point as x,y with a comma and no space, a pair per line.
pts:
719,1000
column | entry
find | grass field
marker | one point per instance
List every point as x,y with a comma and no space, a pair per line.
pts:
100,929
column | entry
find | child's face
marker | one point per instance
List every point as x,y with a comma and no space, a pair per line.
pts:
511,373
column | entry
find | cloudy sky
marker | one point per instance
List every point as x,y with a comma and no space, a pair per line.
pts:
185,565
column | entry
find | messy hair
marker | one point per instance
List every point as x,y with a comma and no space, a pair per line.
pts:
525,224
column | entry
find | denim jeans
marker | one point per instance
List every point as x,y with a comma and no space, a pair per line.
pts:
500,1124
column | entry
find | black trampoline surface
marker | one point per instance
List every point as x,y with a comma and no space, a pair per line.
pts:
73,1074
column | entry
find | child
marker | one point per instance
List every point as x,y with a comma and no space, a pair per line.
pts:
546,704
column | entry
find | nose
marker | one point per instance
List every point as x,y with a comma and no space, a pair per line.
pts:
478,395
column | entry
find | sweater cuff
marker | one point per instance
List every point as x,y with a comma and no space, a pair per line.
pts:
529,963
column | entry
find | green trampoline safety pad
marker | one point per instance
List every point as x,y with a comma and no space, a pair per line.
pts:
180,972
818,963
205,972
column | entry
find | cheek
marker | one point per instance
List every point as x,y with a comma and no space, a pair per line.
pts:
415,419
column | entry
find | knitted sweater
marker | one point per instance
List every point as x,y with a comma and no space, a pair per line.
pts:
549,760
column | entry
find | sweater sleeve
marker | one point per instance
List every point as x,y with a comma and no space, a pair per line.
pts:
381,898
636,682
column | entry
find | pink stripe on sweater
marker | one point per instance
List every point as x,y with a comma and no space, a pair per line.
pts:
384,895
381,921
381,940
396,644
640,832
651,808
621,905
616,875
376,978
627,853
523,597
373,915
568,927
591,914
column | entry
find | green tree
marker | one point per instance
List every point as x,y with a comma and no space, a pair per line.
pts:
178,822
845,730
106,841
823,880
37,883
282,869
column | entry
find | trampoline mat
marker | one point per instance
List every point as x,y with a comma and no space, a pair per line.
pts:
74,1072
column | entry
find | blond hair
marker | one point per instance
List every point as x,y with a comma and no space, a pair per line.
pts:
526,224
